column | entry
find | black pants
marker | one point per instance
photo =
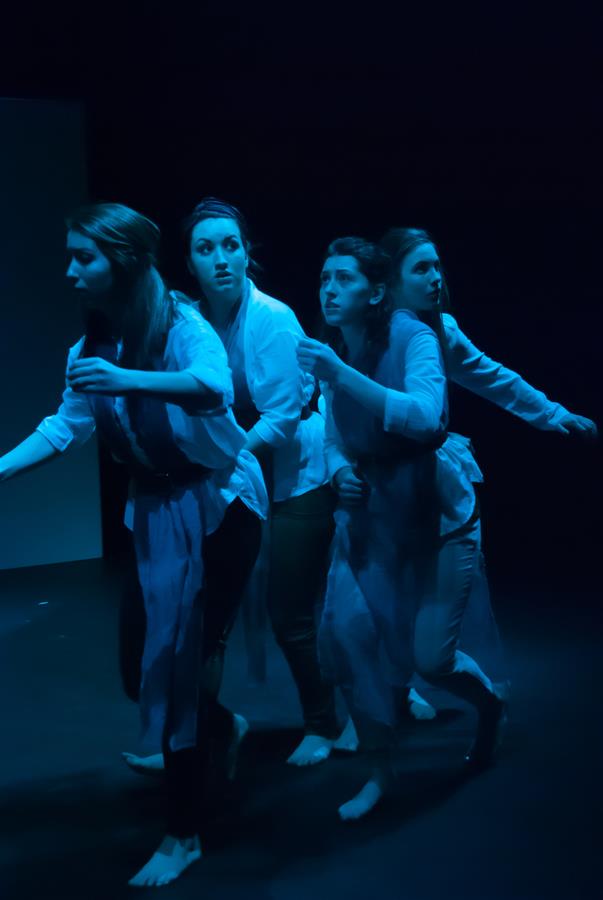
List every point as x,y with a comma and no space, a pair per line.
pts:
229,556
300,536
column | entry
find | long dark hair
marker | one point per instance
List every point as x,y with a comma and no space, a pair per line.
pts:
130,241
398,243
375,264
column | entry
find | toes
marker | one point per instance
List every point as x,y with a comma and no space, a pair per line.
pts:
139,880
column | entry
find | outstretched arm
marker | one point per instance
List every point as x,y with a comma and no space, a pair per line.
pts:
31,452
72,424
472,369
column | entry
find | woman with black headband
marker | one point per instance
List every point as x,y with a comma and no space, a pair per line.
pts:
272,397
272,403
152,377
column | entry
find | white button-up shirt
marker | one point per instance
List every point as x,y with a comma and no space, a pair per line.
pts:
210,438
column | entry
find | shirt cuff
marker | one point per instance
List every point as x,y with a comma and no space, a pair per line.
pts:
553,422
396,411
213,382
56,432
272,436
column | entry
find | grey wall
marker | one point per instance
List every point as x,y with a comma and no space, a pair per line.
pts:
51,514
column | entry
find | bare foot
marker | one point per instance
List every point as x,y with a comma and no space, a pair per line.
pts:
312,750
347,742
368,796
418,707
169,861
145,765
240,729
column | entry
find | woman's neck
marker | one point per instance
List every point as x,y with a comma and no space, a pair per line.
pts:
107,316
354,339
219,310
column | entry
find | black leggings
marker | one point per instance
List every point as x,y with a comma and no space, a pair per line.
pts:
300,536
229,556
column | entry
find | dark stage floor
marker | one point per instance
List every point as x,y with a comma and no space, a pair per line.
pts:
76,823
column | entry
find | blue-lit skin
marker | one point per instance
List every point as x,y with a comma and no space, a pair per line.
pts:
89,269
419,283
418,287
346,297
218,260
91,274
345,292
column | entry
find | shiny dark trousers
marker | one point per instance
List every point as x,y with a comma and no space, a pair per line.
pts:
300,536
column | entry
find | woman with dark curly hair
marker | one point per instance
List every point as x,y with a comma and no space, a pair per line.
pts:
386,410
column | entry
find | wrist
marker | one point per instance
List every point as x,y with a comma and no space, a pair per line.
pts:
338,373
134,380
340,473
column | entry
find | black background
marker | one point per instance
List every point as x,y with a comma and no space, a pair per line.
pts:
481,123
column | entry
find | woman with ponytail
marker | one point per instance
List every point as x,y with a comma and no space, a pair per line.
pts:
152,377
461,594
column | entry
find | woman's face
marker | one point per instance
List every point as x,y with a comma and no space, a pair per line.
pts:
419,284
218,259
345,292
89,269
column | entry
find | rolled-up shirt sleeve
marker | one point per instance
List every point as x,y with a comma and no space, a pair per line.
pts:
278,392
419,412
73,423
478,373
195,347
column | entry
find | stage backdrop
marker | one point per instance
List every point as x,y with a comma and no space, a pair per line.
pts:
51,514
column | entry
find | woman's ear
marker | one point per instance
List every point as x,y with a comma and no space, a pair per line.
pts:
377,295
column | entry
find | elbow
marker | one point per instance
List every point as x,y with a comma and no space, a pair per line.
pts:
210,390
435,430
276,434
432,428
204,402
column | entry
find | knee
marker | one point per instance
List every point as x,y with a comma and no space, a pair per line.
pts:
293,631
433,662
291,622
